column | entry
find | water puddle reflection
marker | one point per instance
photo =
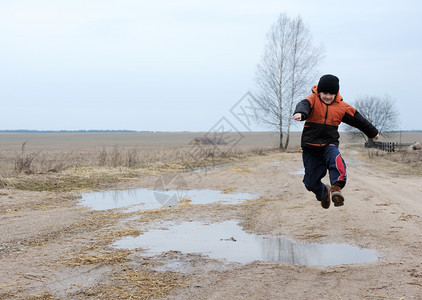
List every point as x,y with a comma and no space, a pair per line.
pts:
227,240
301,171
147,199
355,162
298,172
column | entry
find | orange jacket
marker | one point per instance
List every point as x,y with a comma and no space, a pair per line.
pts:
322,120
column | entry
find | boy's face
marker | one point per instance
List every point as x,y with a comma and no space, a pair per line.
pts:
327,98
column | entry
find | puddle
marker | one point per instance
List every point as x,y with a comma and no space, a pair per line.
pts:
355,162
147,199
205,169
227,240
348,162
298,172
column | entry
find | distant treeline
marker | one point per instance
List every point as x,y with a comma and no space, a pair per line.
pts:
63,131
398,131
144,131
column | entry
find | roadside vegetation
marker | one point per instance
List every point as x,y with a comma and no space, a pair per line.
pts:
50,162
405,161
64,170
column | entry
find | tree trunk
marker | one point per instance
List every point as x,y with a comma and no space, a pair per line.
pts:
281,139
287,140
281,132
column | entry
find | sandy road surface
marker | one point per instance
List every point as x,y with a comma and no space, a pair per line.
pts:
52,248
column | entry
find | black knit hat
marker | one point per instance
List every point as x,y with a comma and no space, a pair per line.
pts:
328,84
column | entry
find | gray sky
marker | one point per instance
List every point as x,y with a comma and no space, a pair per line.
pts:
181,65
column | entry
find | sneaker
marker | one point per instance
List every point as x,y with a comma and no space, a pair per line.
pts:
325,203
336,195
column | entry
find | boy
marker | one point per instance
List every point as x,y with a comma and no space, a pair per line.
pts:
323,111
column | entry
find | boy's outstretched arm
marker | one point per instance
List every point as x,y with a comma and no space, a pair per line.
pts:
302,111
355,119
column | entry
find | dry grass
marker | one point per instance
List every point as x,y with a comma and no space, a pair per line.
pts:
111,257
136,284
242,170
66,161
413,159
409,162
63,162
42,296
127,280
59,181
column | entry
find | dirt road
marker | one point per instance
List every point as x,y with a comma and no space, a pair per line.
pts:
53,248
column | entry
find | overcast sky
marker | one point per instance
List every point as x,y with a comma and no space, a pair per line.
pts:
167,65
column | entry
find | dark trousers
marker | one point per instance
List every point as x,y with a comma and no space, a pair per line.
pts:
317,162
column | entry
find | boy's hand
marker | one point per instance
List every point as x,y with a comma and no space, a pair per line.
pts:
297,117
377,137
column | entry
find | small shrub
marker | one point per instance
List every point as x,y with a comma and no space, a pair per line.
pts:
116,157
102,157
132,158
23,161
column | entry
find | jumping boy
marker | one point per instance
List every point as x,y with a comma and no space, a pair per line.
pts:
323,111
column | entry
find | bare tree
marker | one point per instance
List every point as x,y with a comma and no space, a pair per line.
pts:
285,72
380,111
